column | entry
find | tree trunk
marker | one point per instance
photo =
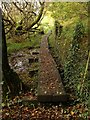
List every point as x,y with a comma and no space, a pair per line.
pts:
10,78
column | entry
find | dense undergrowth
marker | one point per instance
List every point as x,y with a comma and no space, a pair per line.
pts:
70,51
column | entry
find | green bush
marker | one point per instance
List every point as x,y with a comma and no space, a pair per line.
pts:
73,69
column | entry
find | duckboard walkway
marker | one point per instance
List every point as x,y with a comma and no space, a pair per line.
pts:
50,87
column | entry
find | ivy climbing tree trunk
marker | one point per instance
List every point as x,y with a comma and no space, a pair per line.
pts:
72,67
10,78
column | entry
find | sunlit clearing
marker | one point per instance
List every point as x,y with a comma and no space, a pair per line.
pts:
47,22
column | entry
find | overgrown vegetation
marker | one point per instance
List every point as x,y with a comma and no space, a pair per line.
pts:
71,50
74,70
69,47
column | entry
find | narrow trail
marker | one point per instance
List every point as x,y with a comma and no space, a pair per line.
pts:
50,87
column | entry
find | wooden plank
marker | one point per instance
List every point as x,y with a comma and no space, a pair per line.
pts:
50,87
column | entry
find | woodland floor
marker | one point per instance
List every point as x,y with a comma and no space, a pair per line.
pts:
25,106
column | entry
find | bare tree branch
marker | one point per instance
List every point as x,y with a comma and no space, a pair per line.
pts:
17,7
37,19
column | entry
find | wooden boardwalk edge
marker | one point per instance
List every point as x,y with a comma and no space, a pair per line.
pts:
50,87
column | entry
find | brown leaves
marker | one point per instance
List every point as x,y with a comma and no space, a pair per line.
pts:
54,112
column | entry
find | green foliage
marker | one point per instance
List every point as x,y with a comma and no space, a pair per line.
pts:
67,10
73,69
72,52
79,31
32,41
